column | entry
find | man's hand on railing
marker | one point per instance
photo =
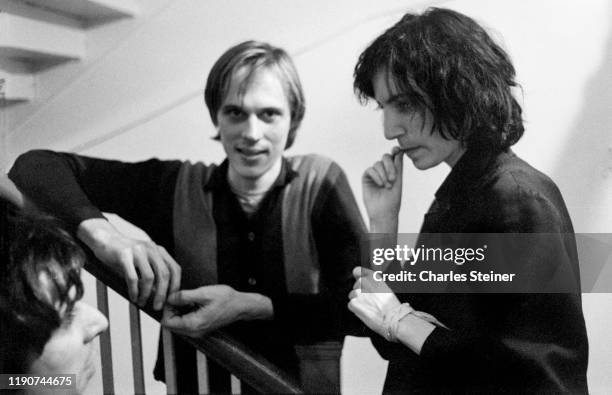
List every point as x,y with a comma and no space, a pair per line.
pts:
148,269
199,311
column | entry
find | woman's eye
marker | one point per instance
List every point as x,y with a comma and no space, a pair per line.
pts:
404,106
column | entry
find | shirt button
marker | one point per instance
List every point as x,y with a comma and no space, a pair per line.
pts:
251,236
252,281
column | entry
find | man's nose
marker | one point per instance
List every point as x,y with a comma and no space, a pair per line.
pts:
93,321
253,130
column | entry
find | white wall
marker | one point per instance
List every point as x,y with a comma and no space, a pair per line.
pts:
140,97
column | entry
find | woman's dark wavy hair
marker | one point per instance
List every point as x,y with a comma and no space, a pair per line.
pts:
30,310
445,62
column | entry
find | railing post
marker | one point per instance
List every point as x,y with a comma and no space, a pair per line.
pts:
236,385
202,366
106,352
137,366
169,362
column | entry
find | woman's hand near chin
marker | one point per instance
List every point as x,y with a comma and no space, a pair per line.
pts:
382,192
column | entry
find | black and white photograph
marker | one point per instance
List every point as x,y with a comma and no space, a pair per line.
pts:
356,197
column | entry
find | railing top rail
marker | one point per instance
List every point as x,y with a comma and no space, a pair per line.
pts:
219,346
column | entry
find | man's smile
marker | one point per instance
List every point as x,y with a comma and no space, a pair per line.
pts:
251,151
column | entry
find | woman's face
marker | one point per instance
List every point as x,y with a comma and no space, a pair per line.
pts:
413,127
70,349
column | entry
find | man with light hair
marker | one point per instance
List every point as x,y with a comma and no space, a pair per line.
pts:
266,243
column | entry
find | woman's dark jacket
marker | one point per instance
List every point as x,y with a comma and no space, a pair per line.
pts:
510,342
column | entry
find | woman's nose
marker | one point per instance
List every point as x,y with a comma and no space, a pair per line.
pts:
391,126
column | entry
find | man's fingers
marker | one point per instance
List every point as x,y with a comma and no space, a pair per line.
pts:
187,297
131,277
162,277
148,269
174,268
190,324
141,262
184,324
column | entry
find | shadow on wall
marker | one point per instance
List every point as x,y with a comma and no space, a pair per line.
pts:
585,162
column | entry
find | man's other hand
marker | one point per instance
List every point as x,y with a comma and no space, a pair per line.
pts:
199,311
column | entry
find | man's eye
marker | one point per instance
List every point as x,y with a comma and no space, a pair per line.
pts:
233,113
269,115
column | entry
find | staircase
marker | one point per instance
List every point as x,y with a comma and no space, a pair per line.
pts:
38,34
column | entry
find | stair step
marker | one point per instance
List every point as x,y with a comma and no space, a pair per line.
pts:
15,88
91,12
38,42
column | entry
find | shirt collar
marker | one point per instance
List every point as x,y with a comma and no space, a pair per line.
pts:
218,178
468,172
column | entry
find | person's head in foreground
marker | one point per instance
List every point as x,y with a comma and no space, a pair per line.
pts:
255,101
443,85
45,328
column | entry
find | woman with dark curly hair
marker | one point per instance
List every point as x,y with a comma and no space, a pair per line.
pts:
445,90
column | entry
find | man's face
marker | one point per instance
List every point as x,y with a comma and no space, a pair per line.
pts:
70,349
413,127
254,125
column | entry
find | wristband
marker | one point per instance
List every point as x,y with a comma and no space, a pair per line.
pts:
392,318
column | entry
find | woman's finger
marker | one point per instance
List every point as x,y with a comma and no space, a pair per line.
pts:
354,293
382,173
371,176
389,166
